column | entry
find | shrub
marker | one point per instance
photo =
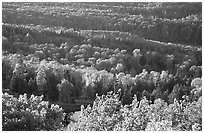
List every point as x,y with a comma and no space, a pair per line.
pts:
108,114
30,114
101,117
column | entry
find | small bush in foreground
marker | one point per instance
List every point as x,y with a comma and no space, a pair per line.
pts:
108,114
30,114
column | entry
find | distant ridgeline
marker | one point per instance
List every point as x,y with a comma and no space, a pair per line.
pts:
167,22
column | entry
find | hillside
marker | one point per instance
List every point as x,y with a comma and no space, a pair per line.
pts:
133,66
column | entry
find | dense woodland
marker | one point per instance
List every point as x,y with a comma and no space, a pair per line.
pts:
137,65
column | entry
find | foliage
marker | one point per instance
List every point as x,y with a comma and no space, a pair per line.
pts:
30,114
170,22
108,114
65,91
101,117
69,52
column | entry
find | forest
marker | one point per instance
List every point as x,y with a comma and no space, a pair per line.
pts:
115,66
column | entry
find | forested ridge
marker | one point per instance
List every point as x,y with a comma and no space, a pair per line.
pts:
137,65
